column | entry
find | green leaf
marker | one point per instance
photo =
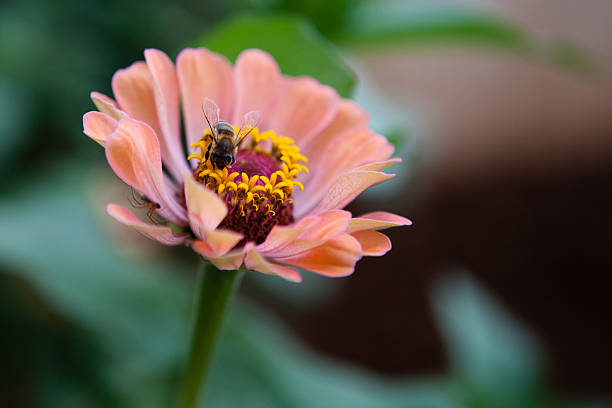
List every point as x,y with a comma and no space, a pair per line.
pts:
296,45
495,360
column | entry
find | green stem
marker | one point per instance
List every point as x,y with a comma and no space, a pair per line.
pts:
215,290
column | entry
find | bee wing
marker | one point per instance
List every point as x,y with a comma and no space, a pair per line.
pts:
211,114
249,122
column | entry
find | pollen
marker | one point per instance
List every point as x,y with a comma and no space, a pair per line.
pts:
258,187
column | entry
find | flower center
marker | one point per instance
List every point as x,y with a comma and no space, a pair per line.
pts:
257,188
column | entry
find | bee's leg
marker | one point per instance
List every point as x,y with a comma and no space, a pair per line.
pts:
233,160
208,151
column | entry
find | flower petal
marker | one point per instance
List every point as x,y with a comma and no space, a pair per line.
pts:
351,149
132,151
229,261
373,243
376,221
350,116
257,78
335,258
203,74
133,88
317,229
166,95
98,126
344,189
205,208
279,237
159,233
380,165
256,262
305,108
107,105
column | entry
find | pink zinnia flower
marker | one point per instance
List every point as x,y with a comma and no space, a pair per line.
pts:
280,205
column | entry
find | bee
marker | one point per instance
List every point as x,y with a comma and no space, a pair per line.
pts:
225,141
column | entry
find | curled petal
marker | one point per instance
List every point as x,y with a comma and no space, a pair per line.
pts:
98,126
279,237
133,153
379,165
256,262
228,261
257,78
335,258
305,108
166,96
159,233
376,221
203,74
373,243
107,105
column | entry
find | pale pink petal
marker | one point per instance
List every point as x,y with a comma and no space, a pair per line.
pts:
98,126
344,189
317,229
257,80
373,243
203,74
221,241
380,165
279,237
349,150
159,233
304,109
133,89
335,258
376,221
107,105
230,261
166,95
256,262
133,153
350,116
205,208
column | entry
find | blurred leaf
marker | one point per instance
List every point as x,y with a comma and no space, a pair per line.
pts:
376,24
295,44
495,360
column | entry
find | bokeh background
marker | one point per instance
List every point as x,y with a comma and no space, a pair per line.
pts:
497,296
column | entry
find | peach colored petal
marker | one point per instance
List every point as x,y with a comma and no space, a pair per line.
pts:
344,189
257,80
166,95
350,116
335,258
228,261
205,208
256,262
203,74
107,105
380,165
133,89
132,151
279,237
376,221
351,149
159,233
305,108
373,243
221,241
98,126
317,229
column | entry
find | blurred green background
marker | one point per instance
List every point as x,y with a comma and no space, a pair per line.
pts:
93,316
